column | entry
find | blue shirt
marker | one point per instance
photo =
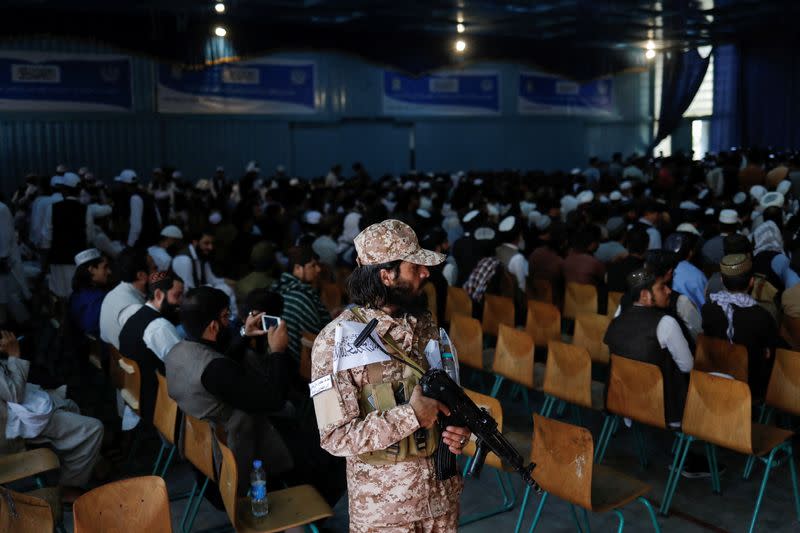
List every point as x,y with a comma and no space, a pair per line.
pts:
84,309
691,282
780,265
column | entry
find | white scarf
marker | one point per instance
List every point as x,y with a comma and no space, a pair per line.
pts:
726,300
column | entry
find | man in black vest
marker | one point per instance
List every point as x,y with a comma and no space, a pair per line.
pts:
150,334
137,210
64,235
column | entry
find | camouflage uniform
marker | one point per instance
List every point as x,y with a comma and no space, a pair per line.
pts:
402,496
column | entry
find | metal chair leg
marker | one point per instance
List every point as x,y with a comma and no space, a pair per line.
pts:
605,437
547,406
621,520
196,506
522,509
675,474
641,450
538,512
575,518
158,458
168,461
793,475
188,506
498,381
762,489
650,511
586,520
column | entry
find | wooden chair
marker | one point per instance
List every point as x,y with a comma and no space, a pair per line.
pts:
783,390
95,350
564,467
306,344
579,298
115,372
458,301
21,465
719,355
718,412
542,290
467,336
568,378
635,391
614,298
288,508
513,360
165,416
331,295
131,382
492,405
430,296
134,504
197,449
543,322
590,329
497,310
790,330
28,515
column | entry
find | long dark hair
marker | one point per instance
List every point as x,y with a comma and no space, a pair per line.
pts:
365,288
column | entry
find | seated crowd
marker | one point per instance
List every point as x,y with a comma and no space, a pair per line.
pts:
177,275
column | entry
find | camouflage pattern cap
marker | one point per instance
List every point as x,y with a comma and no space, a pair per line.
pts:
392,240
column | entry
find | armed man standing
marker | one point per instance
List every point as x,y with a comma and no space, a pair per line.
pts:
369,407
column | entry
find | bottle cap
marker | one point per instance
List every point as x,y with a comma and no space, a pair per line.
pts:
257,463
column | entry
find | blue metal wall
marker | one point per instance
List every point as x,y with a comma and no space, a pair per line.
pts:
349,127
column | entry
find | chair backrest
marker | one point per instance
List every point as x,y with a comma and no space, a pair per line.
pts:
543,322
306,344
197,445
430,295
115,372
467,336
330,295
790,330
95,349
513,356
131,381
636,391
493,406
165,413
614,298
542,290
718,411
228,481
783,390
33,515
563,455
719,355
579,298
133,504
568,373
590,329
458,301
497,310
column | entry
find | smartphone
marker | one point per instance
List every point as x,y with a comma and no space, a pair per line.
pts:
267,321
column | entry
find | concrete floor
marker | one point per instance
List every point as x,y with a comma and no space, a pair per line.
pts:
695,508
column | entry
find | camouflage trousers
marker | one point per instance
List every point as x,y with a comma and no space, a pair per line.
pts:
446,523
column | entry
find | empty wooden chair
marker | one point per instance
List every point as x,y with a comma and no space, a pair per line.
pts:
719,355
543,322
430,296
458,301
590,330
564,467
492,405
783,390
497,310
306,344
513,360
542,290
467,336
131,382
718,413
568,377
635,391
288,508
614,298
579,298
134,504
29,514
165,416
197,449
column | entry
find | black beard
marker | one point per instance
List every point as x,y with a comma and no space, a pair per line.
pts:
171,312
405,301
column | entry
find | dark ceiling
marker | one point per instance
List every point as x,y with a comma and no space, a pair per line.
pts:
577,38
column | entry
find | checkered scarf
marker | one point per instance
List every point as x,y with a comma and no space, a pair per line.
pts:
726,300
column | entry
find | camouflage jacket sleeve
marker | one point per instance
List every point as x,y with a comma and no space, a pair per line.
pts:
343,430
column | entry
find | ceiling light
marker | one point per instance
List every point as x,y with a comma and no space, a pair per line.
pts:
460,17
219,31
650,54
651,45
219,7
461,45
460,28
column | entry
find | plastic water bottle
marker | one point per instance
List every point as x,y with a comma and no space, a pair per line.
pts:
258,491
449,364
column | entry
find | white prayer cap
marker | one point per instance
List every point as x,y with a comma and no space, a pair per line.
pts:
687,228
603,199
55,181
478,181
757,191
533,217
177,174
585,197
203,185
425,203
739,198
728,216
493,210
484,234
409,185
772,199
543,223
70,179
424,213
784,187
615,196
469,216
82,171
313,217
280,169
220,169
575,171
625,185
709,211
702,194
215,218
87,255
424,186
61,168
507,224
689,205
526,207
294,182
127,176
252,166
173,232
568,203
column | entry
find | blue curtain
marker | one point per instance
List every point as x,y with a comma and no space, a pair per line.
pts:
682,75
725,131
